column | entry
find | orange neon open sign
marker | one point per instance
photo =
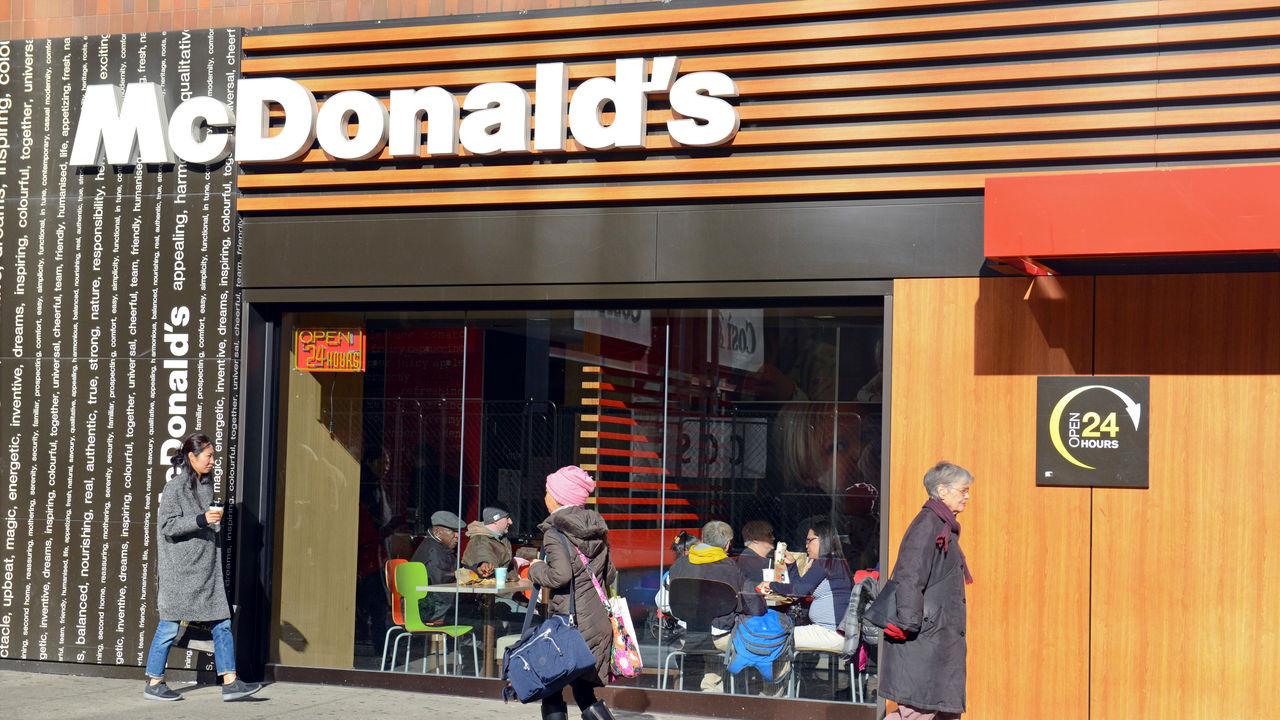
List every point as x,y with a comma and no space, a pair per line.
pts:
330,349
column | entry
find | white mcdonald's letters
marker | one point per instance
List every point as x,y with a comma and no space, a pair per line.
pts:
500,118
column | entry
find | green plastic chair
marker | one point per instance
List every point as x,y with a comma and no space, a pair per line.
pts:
409,577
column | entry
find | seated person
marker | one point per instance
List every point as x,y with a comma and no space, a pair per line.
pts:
438,551
681,546
709,560
488,549
758,555
827,579
487,545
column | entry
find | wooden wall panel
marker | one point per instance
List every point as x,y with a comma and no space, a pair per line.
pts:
316,536
1183,621
984,341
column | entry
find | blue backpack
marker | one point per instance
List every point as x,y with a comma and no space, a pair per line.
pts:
762,642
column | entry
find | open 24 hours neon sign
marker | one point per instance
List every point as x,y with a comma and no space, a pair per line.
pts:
500,118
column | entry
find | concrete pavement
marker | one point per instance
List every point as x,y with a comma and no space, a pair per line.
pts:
41,696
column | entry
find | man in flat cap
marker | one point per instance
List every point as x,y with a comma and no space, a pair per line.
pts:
487,545
438,551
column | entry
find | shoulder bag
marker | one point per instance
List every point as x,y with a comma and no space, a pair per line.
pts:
884,609
547,657
625,660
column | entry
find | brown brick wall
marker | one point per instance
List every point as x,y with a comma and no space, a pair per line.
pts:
20,19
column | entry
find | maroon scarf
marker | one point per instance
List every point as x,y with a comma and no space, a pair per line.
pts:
948,518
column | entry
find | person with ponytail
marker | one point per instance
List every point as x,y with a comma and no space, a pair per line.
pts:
922,666
189,571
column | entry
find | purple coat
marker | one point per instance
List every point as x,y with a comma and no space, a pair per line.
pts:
927,670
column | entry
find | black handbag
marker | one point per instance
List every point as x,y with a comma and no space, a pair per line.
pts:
884,609
550,656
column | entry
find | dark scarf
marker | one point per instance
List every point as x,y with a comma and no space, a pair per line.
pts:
948,518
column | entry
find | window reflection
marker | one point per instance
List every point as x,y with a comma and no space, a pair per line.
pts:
765,419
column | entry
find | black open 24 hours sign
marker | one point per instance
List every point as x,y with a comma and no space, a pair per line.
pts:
1092,431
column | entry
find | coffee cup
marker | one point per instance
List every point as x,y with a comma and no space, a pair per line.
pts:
218,507
500,575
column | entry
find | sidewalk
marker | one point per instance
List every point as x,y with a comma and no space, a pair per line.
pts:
39,696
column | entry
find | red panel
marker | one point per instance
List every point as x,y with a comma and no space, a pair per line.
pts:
640,501
604,402
615,420
1151,212
616,452
628,469
643,548
621,436
671,487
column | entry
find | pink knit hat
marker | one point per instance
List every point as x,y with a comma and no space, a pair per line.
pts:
570,485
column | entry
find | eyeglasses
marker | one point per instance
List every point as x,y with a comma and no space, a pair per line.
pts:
809,540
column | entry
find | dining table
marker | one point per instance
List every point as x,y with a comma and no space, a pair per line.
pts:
774,600
489,592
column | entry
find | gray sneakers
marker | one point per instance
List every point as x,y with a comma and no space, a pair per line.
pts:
233,690
238,688
160,691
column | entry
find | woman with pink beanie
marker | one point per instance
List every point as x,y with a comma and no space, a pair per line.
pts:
567,491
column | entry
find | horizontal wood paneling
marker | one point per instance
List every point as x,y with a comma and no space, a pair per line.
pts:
682,17
905,131
865,97
852,31
1123,67
845,56
808,162
849,31
1234,88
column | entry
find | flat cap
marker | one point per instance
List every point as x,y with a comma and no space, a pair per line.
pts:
447,519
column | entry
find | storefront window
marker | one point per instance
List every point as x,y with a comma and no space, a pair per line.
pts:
765,419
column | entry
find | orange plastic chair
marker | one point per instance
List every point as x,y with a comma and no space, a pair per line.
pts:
397,610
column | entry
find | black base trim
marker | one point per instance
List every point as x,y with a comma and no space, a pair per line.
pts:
635,699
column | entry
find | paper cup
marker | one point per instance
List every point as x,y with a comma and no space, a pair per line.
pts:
500,574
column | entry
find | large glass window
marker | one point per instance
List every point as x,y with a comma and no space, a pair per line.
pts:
765,419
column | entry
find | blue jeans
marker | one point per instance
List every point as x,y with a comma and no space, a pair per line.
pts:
224,653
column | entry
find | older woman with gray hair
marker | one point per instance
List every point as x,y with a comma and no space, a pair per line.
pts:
923,662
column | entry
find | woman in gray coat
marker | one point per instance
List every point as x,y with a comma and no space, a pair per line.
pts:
189,571
567,491
923,663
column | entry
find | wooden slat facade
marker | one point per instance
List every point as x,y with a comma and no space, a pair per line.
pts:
836,99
